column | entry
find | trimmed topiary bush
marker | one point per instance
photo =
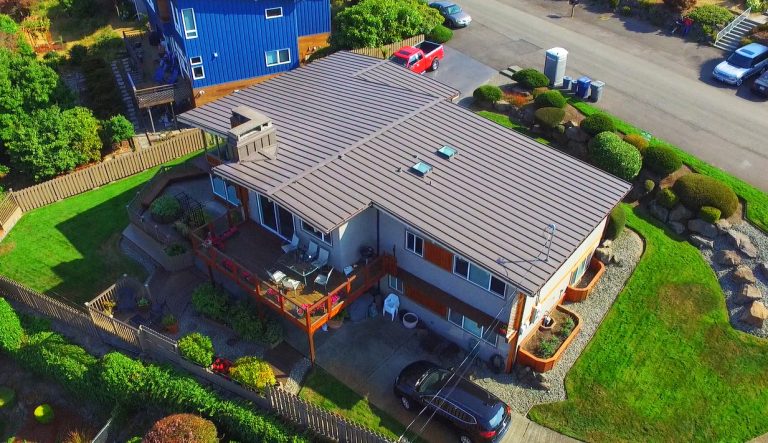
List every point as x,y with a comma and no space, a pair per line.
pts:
617,219
709,214
662,159
7,396
440,34
597,123
252,372
648,186
549,117
638,141
550,99
188,428
610,153
487,94
667,198
11,332
44,414
696,190
165,209
197,348
530,78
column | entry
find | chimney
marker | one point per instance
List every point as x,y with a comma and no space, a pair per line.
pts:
252,136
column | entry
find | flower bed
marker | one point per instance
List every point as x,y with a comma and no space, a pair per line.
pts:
583,288
533,343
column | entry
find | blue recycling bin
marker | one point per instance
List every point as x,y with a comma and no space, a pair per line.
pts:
582,87
567,83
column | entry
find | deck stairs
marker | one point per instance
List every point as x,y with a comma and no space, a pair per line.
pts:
732,39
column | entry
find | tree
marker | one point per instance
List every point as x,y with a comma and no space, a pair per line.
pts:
373,23
17,9
49,141
680,5
118,128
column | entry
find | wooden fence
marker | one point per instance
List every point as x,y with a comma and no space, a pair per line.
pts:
385,51
10,213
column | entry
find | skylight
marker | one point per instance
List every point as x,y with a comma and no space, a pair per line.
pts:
421,169
447,151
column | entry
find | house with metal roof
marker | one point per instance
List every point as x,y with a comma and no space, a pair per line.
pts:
475,228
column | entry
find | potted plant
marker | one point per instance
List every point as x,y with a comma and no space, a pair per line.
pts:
170,323
143,304
109,307
337,321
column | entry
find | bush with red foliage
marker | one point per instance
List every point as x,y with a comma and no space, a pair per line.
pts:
680,5
188,428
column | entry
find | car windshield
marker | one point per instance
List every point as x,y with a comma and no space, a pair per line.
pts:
433,380
453,9
739,60
498,416
400,60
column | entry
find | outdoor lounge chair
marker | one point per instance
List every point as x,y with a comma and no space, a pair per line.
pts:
293,245
277,277
322,259
323,279
312,250
292,284
391,305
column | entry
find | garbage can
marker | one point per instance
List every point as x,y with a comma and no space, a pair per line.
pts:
596,90
554,65
582,87
567,81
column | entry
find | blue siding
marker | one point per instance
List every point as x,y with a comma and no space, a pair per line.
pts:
313,16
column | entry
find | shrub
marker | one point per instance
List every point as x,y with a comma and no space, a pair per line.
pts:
210,301
44,414
696,190
638,141
567,327
252,372
102,93
709,214
611,154
175,249
549,117
547,347
617,219
531,78
440,34
165,209
708,20
123,378
538,91
597,123
626,11
667,198
550,99
649,186
11,332
118,129
78,436
613,4
77,54
182,427
7,396
321,53
197,348
662,159
487,94
680,5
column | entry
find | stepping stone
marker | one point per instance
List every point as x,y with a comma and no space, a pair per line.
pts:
748,294
728,258
743,274
755,315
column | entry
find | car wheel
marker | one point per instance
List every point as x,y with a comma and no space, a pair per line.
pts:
464,439
435,65
406,402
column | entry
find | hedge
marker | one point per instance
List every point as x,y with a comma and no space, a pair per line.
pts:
197,348
616,221
550,99
188,428
612,154
708,20
638,141
709,214
549,117
667,198
597,123
696,190
662,159
530,78
10,325
440,34
487,94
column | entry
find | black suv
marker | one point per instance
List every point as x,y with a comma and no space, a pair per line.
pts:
476,414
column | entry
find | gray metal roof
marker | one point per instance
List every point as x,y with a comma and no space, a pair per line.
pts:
349,129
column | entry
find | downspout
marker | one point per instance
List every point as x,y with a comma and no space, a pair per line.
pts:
378,232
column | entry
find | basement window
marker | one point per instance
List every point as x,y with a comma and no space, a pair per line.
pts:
421,169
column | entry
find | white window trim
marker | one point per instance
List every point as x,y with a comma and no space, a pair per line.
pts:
414,243
492,276
483,329
226,196
325,238
277,51
193,62
274,16
194,75
189,34
398,284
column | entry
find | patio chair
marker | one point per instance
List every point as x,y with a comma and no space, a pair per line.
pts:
322,259
276,276
391,305
323,279
312,250
293,245
292,284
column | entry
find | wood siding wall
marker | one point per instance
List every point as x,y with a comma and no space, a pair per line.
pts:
207,94
385,51
438,256
311,43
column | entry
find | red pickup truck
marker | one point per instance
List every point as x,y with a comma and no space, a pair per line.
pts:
423,57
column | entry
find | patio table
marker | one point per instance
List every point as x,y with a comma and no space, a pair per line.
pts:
293,261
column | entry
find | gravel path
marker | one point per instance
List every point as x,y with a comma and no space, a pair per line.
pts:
730,288
519,395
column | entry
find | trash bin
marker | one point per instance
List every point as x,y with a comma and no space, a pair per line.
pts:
567,81
554,65
582,87
596,90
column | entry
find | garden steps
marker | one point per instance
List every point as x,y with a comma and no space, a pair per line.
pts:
119,68
732,40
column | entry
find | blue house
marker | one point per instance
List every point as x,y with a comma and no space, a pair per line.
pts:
224,45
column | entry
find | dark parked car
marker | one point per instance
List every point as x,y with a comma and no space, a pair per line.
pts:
475,414
761,85
454,16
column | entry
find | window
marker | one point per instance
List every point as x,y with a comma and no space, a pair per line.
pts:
224,190
396,284
580,270
197,67
190,26
275,217
309,229
488,335
278,57
479,276
273,12
414,243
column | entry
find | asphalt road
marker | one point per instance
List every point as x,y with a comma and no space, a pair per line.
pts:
657,82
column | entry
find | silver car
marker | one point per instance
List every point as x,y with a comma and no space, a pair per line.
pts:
454,16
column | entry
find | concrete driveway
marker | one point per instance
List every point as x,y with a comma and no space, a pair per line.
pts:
461,71
654,81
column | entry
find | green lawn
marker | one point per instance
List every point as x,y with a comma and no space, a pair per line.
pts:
70,249
504,120
757,201
327,392
666,365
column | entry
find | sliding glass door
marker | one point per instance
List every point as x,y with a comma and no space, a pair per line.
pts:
275,217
